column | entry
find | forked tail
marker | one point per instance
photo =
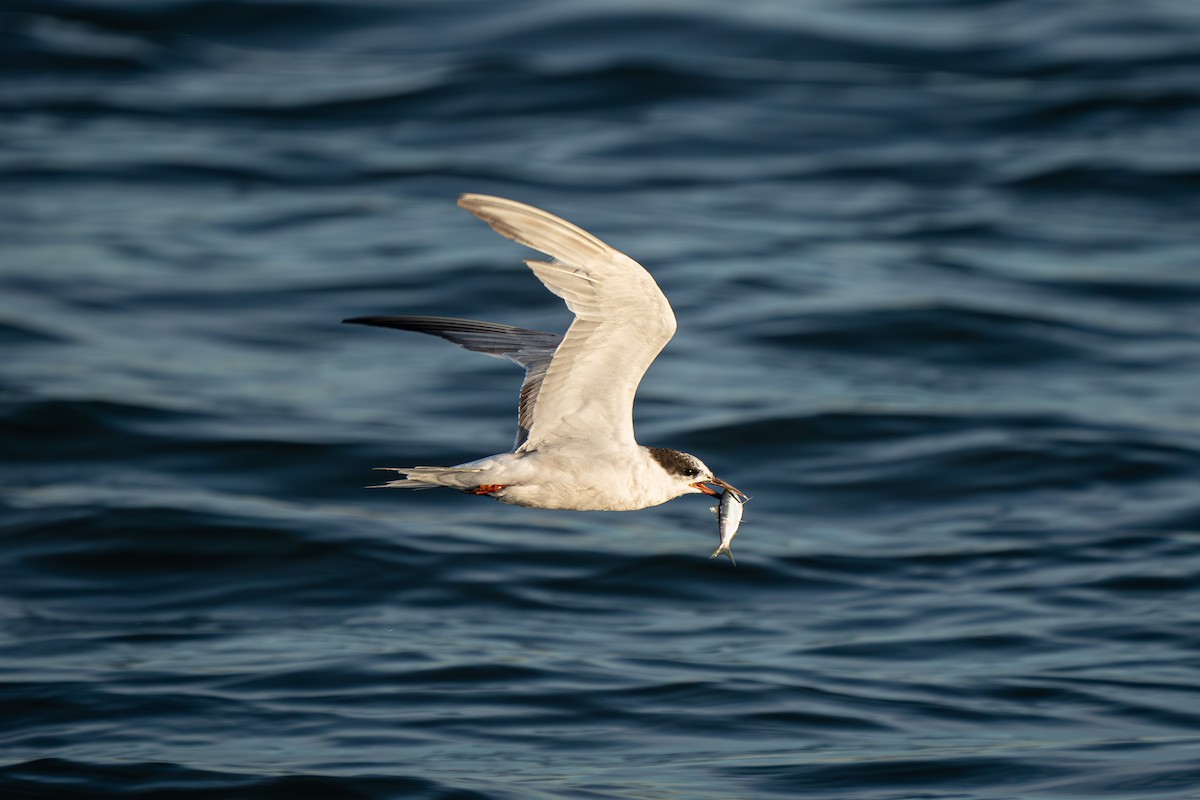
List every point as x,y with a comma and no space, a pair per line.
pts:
430,478
724,549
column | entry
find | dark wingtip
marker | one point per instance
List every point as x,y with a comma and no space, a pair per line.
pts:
379,322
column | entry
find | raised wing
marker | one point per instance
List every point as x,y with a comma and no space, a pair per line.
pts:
533,350
622,322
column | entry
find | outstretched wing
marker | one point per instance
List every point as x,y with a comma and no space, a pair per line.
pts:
533,350
622,322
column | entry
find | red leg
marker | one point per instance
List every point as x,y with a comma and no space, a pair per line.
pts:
486,489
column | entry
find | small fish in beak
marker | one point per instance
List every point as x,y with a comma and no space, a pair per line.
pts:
729,519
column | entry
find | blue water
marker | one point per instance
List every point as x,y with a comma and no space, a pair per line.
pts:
937,272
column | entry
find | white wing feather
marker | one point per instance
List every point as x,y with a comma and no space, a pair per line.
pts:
622,322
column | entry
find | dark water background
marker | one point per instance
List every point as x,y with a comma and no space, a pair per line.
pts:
936,271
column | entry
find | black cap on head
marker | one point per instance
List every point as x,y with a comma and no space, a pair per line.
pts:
675,462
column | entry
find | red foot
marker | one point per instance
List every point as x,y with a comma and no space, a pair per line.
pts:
487,488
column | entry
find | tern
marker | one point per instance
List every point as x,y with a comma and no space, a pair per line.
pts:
575,447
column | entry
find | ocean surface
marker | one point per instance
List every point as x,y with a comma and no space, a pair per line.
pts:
936,267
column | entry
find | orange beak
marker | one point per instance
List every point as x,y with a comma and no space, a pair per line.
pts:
727,487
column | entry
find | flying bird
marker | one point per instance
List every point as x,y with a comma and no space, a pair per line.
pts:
575,447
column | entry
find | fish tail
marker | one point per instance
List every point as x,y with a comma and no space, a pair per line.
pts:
724,549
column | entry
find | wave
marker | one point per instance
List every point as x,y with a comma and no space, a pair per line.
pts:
46,776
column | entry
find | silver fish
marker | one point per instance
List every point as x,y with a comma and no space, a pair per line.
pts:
729,518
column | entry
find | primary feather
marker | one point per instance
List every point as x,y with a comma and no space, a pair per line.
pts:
531,349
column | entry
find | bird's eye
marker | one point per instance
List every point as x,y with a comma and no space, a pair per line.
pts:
691,472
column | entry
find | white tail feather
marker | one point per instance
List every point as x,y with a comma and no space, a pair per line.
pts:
430,477
404,484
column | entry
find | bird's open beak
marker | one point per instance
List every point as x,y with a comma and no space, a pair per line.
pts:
709,490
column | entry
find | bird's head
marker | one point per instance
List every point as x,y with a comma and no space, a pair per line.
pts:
690,474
